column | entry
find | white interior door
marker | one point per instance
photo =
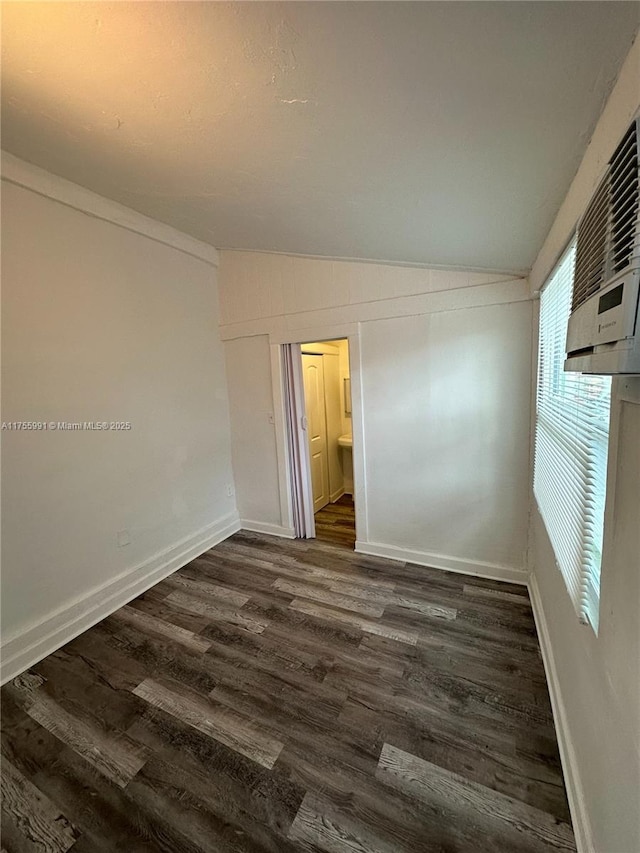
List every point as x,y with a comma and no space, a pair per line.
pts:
333,407
313,374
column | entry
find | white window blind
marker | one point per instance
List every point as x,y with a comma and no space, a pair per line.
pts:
572,434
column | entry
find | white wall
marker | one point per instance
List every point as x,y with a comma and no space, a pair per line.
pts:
103,324
595,680
253,441
446,408
445,372
277,293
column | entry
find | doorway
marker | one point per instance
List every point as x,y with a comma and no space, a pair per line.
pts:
327,399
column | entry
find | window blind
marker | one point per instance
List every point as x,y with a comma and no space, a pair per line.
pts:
571,443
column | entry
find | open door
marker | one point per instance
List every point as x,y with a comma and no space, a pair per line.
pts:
297,445
314,392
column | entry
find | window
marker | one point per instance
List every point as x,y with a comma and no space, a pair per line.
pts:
572,436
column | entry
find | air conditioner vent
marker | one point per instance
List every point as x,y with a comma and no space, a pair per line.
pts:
603,333
591,248
624,200
609,231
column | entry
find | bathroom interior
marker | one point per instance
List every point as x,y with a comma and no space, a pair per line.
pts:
327,391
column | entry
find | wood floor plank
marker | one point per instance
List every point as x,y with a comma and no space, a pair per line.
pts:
484,592
122,656
200,587
430,783
27,684
111,820
249,578
437,611
232,729
161,610
146,656
72,684
353,576
214,612
335,523
25,743
155,626
390,599
238,782
112,754
316,828
301,567
308,696
406,824
34,815
490,638
382,596
333,599
303,732
429,713
182,801
266,646
14,839
281,617
93,804
331,615
490,759
249,556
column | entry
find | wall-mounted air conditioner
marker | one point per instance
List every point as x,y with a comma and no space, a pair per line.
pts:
604,325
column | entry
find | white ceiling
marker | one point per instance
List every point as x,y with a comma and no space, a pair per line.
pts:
430,132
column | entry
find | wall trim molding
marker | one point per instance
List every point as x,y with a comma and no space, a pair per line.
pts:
382,262
30,177
344,319
266,527
491,571
575,793
41,639
317,332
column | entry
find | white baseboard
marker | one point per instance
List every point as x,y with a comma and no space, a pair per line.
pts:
573,784
39,640
492,571
265,527
336,495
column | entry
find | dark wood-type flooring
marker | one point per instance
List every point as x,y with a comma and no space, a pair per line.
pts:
290,696
337,523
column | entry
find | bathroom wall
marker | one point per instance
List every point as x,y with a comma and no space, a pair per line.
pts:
345,373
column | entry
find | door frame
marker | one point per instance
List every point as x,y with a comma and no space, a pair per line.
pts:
317,334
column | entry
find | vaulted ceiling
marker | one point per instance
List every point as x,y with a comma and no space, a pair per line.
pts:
429,132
